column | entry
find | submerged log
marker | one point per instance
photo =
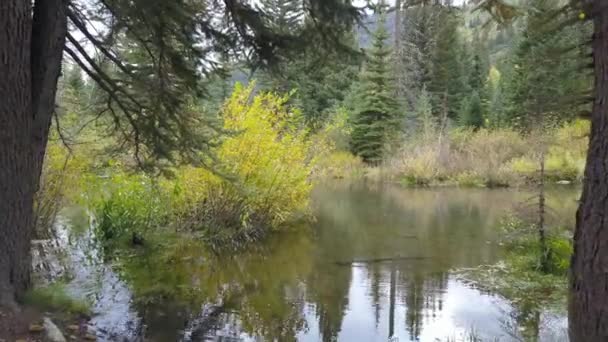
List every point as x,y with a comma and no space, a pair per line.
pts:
379,260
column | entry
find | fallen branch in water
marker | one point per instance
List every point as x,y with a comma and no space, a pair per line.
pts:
378,260
407,236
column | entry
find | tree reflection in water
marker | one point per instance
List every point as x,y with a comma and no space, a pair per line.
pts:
375,264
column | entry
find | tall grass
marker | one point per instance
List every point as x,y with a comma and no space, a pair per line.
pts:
497,157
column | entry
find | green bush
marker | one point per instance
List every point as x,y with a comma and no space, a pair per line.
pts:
131,206
469,179
561,250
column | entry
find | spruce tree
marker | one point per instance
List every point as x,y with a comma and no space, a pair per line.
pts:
284,16
376,119
471,112
448,80
318,77
416,50
544,81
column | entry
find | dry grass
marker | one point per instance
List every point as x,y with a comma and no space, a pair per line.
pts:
488,157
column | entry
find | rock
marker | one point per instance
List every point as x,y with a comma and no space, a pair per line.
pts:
73,327
564,182
90,337
52,332
36,328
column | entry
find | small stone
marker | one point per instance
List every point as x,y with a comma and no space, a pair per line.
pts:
73,327
36,328
90,337
53,333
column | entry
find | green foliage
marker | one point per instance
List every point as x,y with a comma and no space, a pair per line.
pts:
471,114
55,298
521,241
376,120
561,250
340,165
423,112
448,81
318,77
150,69
59,183
416,49
565,159
495,102
518,276
260,184
545,85
132,205
283,15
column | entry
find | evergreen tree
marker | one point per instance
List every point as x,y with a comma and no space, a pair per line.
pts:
476,81
495,94
73,79
544,81
448,80
471,112
424,115
71,89
416,50
320,77
284,16
376,119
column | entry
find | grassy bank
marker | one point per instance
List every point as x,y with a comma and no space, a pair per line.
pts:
484,158
490,157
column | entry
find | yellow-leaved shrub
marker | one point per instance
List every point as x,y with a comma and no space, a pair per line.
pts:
261,177
268,153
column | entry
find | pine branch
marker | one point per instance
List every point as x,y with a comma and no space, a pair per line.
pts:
74,18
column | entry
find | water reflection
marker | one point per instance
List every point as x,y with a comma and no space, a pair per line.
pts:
375,265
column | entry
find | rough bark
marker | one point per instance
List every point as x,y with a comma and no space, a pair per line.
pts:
31,44
588,311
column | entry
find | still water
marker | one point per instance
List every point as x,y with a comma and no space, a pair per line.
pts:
378,264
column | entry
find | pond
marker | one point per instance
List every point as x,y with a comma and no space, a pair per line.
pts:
377,264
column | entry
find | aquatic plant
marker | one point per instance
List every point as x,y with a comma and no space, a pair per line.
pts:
55,298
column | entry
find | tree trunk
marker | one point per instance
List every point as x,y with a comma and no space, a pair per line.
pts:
588,311
31,45
397,26
545,256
